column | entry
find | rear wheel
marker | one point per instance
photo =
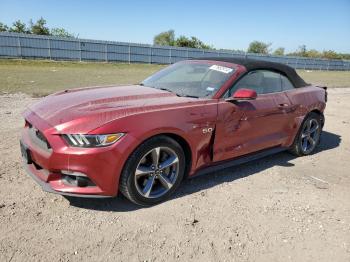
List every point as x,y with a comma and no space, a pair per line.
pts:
308,136
153,171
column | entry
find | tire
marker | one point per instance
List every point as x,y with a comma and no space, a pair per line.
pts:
304,135
153,171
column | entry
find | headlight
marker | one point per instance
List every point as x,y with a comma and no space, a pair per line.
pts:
79,140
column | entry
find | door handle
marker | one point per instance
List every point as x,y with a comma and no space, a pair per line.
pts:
283,106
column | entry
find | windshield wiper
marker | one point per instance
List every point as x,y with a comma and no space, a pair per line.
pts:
182,95
166,89
179,95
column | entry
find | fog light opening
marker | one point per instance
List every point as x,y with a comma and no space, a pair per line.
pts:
77,179
82,181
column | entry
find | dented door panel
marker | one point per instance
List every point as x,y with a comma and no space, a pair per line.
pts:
247,126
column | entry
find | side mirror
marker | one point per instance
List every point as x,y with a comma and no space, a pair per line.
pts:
243,94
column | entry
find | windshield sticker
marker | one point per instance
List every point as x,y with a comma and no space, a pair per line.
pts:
210,89
221,69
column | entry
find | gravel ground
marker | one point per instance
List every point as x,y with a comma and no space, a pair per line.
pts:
279,208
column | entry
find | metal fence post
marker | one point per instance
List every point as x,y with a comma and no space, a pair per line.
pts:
79,50
187,53
314,65
169,55
129,59
19,47
49,46
106,53
150,54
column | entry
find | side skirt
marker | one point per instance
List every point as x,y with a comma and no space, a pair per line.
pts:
239,161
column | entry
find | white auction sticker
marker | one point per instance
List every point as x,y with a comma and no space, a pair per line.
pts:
210,89
222,69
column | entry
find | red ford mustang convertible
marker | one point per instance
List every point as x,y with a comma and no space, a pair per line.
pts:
193,117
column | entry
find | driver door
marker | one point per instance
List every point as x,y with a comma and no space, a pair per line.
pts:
248,126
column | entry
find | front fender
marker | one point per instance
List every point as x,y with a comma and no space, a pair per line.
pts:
185,122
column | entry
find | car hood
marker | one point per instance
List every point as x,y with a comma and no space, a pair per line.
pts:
83,110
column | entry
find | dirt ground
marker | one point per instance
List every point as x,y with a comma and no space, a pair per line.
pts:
279,208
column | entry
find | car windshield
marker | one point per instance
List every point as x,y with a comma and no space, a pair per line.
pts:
191,79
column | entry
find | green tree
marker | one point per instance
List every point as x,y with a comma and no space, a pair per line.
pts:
168,39
200,44
19,27
330,54
3,27
165,38
183,41
39,28
192,42
345,56
313,53
259,47
279,51
61,32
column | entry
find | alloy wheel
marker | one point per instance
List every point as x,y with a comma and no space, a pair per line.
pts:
310,136
157,172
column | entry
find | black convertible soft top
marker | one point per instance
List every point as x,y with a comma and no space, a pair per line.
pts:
252,64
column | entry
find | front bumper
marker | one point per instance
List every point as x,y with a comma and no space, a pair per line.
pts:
102,166
47,188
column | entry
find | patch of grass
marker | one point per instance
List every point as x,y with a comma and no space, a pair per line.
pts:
326,78
40,77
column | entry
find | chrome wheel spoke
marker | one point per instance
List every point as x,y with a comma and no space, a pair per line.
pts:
155,156
143,170
165,181
303,135
148,187
311,141
314,129
304,144
308,126
169,162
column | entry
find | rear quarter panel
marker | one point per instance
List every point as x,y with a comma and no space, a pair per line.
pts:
306,99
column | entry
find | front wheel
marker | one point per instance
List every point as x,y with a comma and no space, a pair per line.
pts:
153,171
308,136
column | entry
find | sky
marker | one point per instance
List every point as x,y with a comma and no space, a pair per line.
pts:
321,25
